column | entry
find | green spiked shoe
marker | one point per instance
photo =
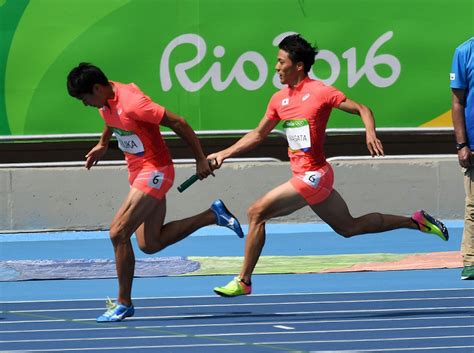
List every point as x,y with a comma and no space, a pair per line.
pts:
428,224
234,288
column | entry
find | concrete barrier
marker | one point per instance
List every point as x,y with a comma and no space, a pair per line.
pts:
57,198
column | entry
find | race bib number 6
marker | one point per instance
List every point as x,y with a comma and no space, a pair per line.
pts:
155,179
312,178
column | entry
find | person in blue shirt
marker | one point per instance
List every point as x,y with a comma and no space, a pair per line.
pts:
462,87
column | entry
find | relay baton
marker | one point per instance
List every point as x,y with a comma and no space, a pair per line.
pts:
191,180
188,182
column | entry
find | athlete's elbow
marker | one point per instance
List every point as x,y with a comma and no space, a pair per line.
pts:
365,111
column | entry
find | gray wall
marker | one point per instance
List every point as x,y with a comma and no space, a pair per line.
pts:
74,198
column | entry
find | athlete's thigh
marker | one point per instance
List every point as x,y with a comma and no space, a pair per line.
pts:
149,231
281,201
136,208
333,210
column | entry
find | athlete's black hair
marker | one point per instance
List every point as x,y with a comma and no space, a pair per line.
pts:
82,78
299,49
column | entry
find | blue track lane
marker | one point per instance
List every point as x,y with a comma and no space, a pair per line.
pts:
396,311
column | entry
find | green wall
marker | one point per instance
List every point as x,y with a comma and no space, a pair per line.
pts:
393,56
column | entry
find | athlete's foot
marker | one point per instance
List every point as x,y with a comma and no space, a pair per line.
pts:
428,224
115,312
226,219
234,288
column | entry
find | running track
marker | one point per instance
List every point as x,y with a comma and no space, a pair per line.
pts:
396,311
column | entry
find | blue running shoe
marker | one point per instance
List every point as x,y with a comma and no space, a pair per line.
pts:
225,218
115,312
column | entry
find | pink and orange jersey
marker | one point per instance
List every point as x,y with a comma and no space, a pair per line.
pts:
305,110
135,120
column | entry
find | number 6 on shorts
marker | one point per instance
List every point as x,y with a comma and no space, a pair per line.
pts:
156,179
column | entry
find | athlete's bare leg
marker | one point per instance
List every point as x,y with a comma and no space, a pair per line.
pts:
284,200
335,213
144,215
281,201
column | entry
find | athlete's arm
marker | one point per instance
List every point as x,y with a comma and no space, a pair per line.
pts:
98,151
458,105
373,143
186,132
248,142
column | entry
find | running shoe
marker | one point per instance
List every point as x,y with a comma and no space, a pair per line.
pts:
115,312
428,224
468,272
225,218
234,288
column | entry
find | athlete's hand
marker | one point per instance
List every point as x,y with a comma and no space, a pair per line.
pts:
95,154
374,145
204,168
217,159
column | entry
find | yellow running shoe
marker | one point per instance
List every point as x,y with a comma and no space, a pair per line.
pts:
428,224
234,288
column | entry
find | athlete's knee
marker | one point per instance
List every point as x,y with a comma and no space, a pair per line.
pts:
151,248
119,232
256,213
346,230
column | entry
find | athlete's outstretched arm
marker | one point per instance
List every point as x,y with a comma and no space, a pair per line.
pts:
373,143
186,132
98,151
248,142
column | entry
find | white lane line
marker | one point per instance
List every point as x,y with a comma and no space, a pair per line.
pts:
329,331
253,295
51,330
284,327
250,323
216,305
94,339
366,340
140,318
225,345
395,349
120,348
246,334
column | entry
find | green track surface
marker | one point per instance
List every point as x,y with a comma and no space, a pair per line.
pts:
288,264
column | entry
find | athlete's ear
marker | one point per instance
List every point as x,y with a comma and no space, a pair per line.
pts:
96,88
299,66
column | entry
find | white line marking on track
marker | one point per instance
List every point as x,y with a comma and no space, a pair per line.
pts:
253,295
395,349
232,334
139,318
284,327
127,347
94,339
216,345
245,304
366,340
391,329
249,323
67,329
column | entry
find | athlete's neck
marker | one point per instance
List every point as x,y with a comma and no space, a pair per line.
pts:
109,93
297,81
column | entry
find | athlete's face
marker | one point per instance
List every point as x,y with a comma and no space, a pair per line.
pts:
96,98
288,71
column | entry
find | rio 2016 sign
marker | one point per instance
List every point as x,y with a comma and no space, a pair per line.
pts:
214,64
238,73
